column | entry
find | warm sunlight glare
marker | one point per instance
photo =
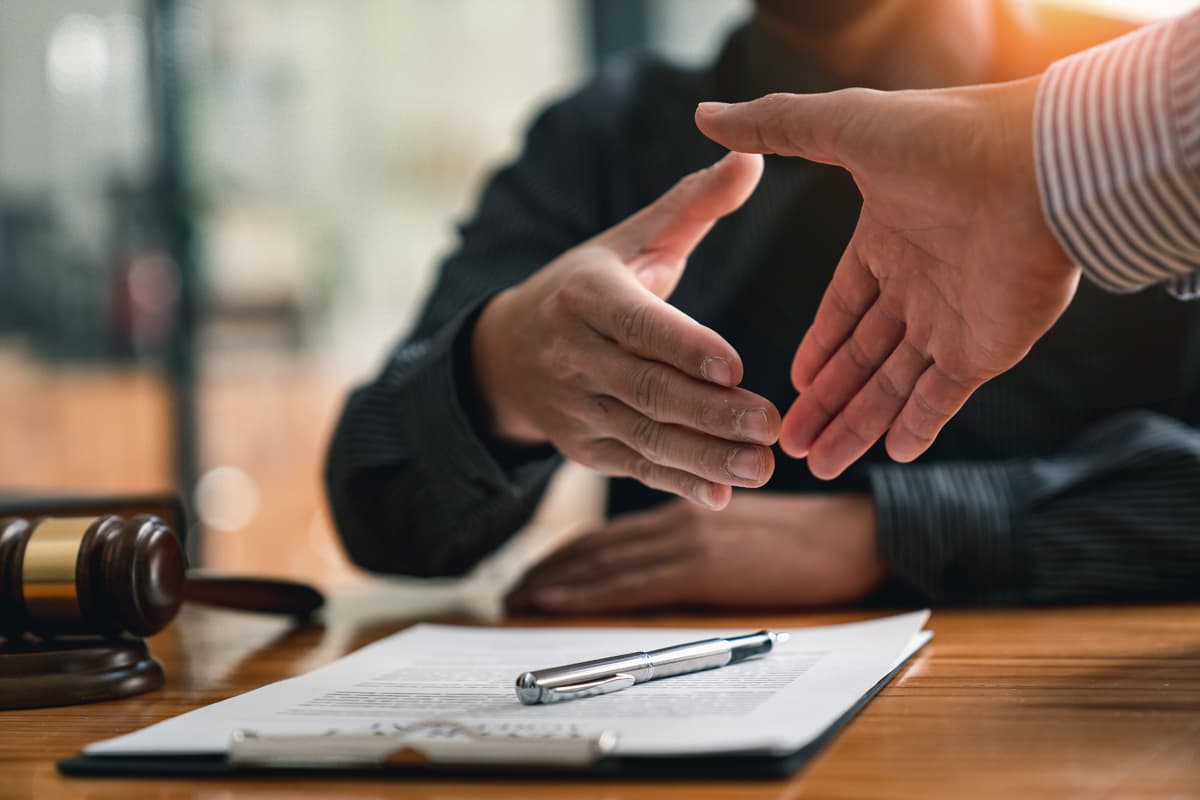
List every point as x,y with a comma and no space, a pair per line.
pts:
1136,9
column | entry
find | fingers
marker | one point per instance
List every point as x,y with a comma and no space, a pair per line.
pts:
649,585
656,242
935,399
632,526
685,450
601,554
818,127
647,326
638,538
869,414
616,459
855,362
852,291
664,394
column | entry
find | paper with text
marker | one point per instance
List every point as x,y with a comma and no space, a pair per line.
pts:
774,704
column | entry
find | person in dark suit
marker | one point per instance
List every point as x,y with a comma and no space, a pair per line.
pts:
549,334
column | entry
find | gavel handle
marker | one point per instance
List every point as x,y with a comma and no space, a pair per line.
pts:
261,595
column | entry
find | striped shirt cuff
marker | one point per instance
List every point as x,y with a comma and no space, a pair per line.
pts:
1117,142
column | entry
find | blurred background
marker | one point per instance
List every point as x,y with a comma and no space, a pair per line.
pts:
217,215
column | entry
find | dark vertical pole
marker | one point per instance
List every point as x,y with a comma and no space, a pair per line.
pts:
171,200
617,25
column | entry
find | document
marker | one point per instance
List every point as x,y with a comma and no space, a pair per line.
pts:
769,705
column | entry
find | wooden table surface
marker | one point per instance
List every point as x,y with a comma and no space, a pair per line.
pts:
1062,703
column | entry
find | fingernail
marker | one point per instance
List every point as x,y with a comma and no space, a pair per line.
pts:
744,463
711,107
751,423
703,493
716,370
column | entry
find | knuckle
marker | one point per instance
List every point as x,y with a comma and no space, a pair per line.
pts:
888,386
928,414
839,302
774,131
572,294
824,405
645,471
647,437
857,427
711,460
714,417
649,389
562,359
600,409
636,324
918,433
857,355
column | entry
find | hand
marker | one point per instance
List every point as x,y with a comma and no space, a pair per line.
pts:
763,551
587,354
952,273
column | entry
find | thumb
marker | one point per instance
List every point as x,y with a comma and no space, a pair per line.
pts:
656,242
812,126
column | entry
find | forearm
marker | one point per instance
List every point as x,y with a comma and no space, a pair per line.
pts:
1111,518
1117,134
414,484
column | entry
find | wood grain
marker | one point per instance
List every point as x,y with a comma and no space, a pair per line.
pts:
1063,703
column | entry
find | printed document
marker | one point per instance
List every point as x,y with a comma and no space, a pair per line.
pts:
770,705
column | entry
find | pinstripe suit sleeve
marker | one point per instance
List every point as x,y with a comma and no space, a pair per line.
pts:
1110,518
1117,143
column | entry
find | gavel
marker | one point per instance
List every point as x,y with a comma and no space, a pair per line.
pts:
84,571
83,579
94,575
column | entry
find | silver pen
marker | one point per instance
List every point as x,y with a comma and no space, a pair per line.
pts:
604,675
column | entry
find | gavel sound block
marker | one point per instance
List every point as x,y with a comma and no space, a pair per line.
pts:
75,595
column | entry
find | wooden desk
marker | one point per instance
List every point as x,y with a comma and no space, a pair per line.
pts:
1072,703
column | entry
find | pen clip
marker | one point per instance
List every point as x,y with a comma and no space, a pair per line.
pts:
613,683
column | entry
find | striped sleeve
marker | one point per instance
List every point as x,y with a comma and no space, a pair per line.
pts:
1117,143
1112,517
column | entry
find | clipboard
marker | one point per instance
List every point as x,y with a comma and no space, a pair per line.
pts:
542,758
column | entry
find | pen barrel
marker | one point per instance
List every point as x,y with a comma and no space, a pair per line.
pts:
693,657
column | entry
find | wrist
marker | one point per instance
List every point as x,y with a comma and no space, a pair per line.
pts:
491,363
1016,103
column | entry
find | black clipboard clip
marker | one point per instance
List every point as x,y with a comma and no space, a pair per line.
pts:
431,743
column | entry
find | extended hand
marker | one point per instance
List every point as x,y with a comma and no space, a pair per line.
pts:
587,354
763,551
952,273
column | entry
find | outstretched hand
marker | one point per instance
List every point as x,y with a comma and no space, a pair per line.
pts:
588,356
950,277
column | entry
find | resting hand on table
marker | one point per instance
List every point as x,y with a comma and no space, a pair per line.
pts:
950,277
763,551
588,356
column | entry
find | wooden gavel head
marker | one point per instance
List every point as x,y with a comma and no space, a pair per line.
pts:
88,575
